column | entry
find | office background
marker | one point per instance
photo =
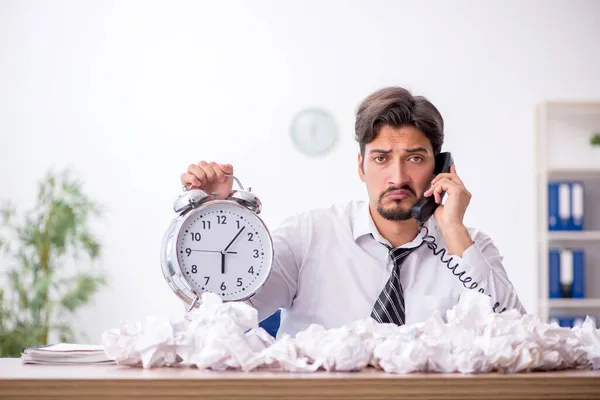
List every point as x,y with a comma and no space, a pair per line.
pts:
129,93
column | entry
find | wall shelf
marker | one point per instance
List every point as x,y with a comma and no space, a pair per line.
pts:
574,236
573,303
567,173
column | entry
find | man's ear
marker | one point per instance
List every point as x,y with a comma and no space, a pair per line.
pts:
361,171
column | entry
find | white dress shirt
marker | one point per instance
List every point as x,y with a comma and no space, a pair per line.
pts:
331,264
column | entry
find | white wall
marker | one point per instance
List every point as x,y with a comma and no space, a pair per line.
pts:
129,93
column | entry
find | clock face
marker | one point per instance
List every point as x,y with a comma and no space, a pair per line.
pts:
224,248
314,131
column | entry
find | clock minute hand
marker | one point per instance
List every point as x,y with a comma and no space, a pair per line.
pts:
233,240
214,251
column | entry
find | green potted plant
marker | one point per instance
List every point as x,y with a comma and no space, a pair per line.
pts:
595,139
44,255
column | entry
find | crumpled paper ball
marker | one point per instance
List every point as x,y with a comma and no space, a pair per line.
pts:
215,335
471,339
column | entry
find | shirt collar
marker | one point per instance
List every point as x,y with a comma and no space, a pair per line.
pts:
362,222
363,225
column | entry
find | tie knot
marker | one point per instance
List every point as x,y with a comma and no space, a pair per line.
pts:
399,254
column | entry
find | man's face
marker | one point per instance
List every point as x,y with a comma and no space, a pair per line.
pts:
397,168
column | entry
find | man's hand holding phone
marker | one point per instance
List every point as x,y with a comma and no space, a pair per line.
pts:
449,216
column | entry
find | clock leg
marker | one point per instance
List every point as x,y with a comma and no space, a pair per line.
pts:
193,303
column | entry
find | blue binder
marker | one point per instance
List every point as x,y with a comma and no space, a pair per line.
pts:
564,205
578,290
580,319
553,219
566,272
562,320
576,200
554,273
566,321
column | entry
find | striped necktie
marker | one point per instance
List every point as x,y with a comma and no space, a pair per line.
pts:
389,307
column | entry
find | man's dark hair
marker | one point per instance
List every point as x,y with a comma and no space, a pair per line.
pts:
397,107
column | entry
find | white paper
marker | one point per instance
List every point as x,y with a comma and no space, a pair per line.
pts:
65,353
470,338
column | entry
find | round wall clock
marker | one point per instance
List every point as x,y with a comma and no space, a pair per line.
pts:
314,131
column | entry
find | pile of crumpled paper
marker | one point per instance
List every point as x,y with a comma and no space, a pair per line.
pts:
220,336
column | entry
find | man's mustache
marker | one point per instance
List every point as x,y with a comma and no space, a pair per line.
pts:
403,187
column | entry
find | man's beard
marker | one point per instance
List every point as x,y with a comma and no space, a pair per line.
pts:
394,213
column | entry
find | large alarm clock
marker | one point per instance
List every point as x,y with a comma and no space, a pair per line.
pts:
218,246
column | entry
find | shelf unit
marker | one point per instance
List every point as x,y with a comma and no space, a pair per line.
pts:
563,151
567,236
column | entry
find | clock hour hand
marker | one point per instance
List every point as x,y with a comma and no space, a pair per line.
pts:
223,262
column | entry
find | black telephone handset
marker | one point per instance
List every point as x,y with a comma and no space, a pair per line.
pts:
424,208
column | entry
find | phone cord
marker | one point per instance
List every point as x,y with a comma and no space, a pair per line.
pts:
467,281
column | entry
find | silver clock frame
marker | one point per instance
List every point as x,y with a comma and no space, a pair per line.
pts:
189,204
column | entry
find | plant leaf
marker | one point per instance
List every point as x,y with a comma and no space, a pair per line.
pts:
82,288
90,244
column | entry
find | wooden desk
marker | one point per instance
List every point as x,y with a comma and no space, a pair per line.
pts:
114,382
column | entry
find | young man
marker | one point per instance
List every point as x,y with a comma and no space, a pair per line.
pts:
347,262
